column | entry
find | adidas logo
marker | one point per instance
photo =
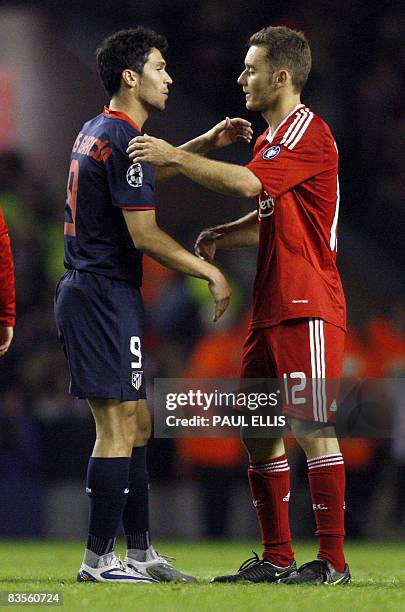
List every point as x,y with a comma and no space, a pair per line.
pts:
257,503
333,407
287,497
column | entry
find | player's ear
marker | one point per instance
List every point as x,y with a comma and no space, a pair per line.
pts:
130,77
281,78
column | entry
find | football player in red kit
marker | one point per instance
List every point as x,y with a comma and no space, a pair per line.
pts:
299,315
7,289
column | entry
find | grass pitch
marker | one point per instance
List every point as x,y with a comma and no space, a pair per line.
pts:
378,580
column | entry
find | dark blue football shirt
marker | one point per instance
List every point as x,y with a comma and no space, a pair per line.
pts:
102,181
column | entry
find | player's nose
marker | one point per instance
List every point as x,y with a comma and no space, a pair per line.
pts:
241,78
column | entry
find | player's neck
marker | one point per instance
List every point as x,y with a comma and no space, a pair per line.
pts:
279,111
131,107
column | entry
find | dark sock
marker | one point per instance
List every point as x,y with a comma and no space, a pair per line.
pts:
136,514
107,487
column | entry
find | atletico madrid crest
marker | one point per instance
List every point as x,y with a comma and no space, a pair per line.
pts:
137,379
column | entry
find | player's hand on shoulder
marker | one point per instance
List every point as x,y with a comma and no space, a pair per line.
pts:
151,150
229,131
205,246
221,292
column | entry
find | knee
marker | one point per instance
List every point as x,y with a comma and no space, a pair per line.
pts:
143,424
143,432
315,440
260,449
119,430
121,436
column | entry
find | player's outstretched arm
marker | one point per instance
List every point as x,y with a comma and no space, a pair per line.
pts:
220,177
149,238
224,133
243,232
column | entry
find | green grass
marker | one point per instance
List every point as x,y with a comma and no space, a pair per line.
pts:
378,572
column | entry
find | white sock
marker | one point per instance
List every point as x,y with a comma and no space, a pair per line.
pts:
95,561
136,554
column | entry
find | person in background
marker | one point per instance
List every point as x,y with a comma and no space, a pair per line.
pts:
7,289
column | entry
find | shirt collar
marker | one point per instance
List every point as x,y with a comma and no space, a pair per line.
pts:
119,115
270,137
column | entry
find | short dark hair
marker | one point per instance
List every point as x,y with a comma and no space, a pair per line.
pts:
288,49
126,49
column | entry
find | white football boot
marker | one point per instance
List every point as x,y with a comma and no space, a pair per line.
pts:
158,567
116,571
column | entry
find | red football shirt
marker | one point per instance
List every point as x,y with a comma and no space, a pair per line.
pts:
298,210
7,291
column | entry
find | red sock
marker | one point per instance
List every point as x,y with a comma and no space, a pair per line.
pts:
270,485
327,483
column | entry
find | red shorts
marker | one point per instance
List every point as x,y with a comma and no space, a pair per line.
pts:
306,356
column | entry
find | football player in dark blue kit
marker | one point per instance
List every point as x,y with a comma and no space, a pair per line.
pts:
109,221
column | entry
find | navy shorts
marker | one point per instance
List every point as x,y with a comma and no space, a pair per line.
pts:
100,322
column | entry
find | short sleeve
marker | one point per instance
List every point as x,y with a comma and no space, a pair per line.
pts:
132,186
280,167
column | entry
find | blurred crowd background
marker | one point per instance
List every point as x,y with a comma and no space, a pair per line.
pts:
48,88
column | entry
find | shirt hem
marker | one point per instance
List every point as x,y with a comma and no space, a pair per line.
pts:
7,321
106,275
125,207
315,315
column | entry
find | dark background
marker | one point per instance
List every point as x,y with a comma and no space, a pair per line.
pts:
49,87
